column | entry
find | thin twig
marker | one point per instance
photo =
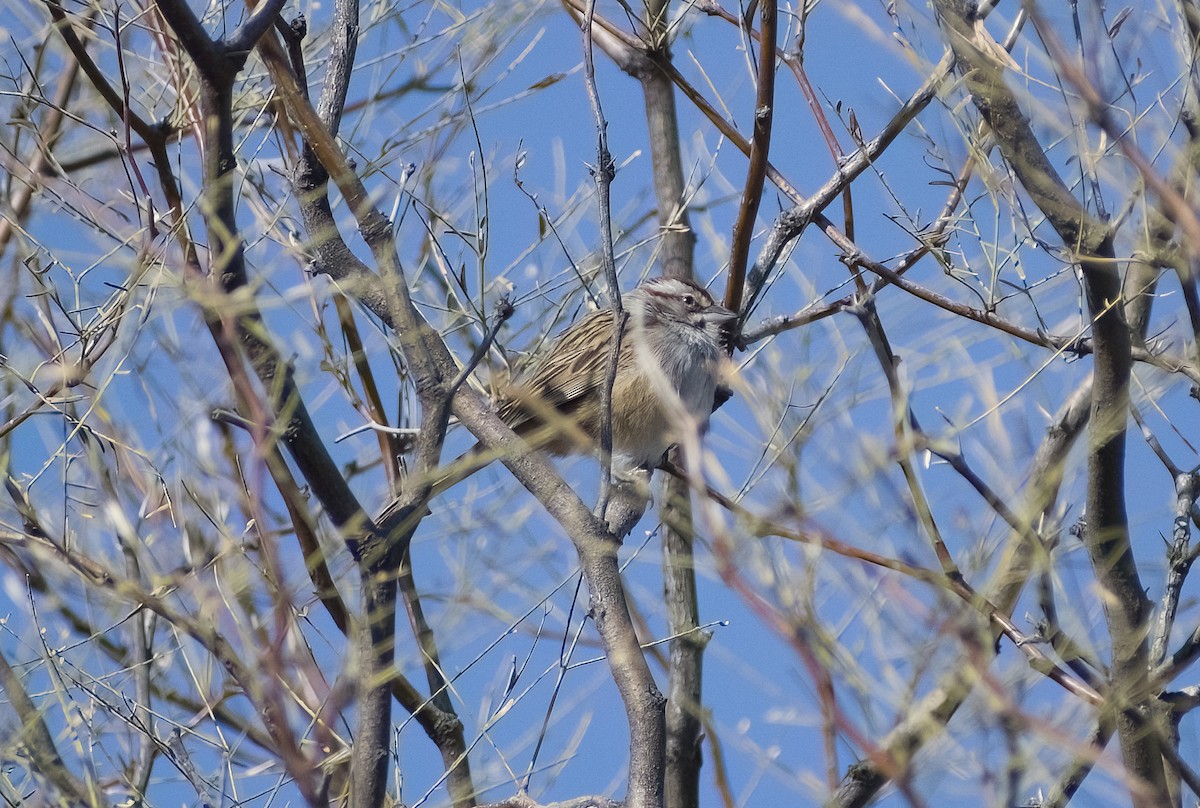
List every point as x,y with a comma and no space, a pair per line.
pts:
1179,562
603,173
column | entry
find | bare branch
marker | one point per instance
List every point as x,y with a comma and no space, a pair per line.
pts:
252,29
37,742
602,174
1107,534
760,146
1179,562
929,716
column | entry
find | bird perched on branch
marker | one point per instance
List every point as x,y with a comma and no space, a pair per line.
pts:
667,371
665,386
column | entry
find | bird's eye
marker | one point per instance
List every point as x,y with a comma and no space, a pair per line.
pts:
689,300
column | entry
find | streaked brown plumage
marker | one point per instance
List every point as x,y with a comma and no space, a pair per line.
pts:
667,368
665,385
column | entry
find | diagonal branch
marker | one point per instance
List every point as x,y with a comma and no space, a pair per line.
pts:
928,717
250,31
34,738
377,557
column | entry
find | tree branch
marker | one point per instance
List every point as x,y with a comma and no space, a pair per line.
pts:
1107,533
760,146
35,738
928,717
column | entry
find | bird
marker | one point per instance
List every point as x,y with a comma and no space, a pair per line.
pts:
668,366
668,370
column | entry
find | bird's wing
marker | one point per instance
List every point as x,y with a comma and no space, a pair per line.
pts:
571,370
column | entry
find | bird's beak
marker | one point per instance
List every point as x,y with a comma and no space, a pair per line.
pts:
716,313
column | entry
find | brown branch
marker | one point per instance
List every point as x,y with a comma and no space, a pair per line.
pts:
441,727
432,366
97,77
377,560
1107,532
904,424
332,257
597,551
644,704
928,717
678,243
760,146
683,714
380,560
